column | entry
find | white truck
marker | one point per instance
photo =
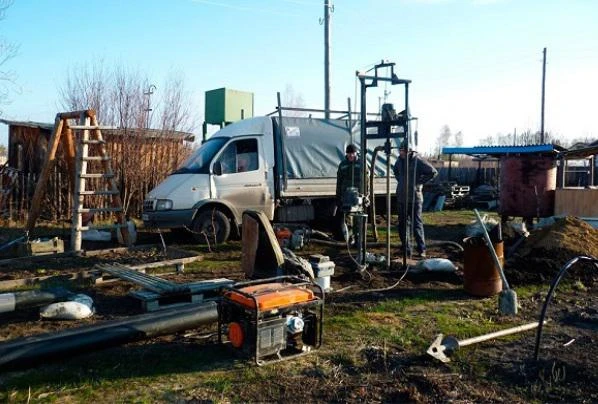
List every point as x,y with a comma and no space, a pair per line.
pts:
287,171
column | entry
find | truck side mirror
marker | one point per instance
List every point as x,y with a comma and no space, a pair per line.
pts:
217,168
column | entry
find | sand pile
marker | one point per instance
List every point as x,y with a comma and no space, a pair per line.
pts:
546,251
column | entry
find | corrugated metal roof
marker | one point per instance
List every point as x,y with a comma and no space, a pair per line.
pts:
502,150
157,133
28,124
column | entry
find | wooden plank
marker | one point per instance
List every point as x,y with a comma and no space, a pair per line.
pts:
45,174
69,154
579,202
250,237
76,114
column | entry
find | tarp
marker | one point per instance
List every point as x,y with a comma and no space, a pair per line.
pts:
314,147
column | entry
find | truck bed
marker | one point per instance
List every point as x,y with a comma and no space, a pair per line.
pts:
326,187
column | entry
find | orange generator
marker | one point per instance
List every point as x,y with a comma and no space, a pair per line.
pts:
272,319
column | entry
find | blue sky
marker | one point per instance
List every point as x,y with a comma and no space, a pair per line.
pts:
475,65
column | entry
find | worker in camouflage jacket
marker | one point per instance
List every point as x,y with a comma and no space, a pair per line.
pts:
348,175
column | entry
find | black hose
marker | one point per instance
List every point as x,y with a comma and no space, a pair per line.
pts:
553,286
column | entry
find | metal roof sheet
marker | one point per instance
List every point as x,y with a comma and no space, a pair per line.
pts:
149,133
501,150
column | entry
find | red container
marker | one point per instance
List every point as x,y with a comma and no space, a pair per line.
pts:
481,276
527,186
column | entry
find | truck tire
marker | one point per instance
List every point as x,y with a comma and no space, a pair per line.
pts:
211,226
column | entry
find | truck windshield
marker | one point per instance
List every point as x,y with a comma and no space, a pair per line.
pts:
199,161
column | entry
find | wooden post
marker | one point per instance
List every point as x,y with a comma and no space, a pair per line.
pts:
69,153
43,178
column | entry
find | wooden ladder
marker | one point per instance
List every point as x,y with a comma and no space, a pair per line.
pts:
77,161
91,138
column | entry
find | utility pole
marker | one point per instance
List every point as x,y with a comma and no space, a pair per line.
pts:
149,93
328,8
543,95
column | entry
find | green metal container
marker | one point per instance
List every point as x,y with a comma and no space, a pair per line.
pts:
224,106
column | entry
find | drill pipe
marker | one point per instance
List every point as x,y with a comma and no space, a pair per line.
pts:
25,352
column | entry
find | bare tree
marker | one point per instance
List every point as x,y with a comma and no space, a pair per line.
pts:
292,99
140,154
87,87
525,138
443,139
8,50
458,141
175,106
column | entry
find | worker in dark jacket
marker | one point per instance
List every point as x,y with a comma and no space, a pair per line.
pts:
348,176
419,172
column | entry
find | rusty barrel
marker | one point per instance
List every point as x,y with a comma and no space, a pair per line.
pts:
481,277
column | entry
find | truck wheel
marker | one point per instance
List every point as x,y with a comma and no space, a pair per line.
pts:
211,226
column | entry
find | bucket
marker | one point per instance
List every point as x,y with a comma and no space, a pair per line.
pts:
481,277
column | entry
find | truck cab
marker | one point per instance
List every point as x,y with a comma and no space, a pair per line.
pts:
231,172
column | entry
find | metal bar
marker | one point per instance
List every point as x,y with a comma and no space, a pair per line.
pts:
492,251
319,110
388,203
497,334
283,158
390,79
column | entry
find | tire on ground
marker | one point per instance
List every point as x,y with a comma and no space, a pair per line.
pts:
211,226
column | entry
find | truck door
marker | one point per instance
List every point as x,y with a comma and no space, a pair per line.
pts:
240,176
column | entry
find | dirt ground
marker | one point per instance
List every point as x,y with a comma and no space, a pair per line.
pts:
503,370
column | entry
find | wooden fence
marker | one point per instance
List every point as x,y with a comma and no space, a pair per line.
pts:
57,204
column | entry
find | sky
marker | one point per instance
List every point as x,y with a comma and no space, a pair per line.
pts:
475,65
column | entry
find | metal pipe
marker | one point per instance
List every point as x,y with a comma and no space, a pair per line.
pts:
363,144
31,298
492,251
283,158
24,352
327,7
3,246
373,201
388,203
405,232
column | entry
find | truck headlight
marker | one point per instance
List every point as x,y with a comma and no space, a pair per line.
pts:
163,204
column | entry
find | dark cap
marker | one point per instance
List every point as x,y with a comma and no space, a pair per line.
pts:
351,149
403,145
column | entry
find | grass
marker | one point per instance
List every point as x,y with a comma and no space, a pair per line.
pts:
163,372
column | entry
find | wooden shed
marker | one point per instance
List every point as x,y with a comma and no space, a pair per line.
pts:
141,158
577,194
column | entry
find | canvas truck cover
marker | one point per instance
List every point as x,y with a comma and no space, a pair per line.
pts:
313,148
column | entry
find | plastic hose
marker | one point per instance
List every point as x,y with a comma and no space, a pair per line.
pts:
553,286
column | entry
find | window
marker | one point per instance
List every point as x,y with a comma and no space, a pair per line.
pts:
239,156
199,161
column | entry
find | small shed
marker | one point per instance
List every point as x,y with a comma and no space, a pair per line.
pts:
140,157
577,194
527,177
